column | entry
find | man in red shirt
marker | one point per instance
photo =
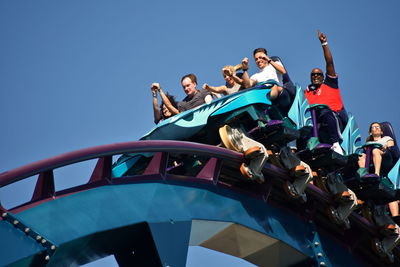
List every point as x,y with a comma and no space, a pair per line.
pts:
326,91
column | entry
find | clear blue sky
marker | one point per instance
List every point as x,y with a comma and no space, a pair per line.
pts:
76,74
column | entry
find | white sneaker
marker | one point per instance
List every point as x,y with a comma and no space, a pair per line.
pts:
337,148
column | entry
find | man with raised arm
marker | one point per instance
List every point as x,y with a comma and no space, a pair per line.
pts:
193,97
268,69
325,90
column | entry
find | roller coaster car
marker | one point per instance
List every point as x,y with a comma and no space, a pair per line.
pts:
378,191
249,114
201,124
244,109
330,165
314,144
369,186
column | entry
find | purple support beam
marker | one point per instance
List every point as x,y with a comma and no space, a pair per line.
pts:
211,170
315,123
2,210
158,164
102,171
44,186
368,152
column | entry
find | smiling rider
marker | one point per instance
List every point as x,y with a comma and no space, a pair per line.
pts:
325,90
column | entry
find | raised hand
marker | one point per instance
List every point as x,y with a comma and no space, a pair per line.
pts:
155,87
227,72
245,63
322,37
206,87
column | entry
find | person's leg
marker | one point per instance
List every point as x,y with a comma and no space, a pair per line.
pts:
361,160
327,118
275,92
283,102
377,159
330,124
394,208
291,88
343,117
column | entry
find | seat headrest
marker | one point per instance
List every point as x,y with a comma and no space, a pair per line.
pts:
388,130
285,77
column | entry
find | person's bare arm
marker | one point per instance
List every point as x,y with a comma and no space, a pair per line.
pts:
156,110
237,80
165,99
330,67
390,143
278,67
168,104
247,82
216,89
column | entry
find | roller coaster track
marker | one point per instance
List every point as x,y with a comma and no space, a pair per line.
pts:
150,219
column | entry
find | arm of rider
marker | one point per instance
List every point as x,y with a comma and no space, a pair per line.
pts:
277,66
156,110
215,89
330,67
216,95
167,103
247,82
388,144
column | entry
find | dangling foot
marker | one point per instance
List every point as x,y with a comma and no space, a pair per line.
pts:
337,148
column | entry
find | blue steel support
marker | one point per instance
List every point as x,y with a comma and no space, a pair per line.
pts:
316,245
171,239
24,242
135,216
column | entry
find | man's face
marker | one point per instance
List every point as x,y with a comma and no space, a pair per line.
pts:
260,59
189,87
317,76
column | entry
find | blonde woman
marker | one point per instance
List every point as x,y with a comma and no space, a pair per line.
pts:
232,79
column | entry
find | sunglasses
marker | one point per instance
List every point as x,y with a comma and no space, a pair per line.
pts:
376,127
264,58
316,74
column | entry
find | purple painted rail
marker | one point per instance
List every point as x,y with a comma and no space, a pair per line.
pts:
42,166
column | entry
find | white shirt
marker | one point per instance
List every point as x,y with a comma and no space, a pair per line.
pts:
383,141
269,72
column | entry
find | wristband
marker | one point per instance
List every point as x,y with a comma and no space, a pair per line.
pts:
269,61
245,70
154,95
324,43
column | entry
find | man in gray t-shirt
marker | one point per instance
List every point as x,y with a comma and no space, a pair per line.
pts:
194,97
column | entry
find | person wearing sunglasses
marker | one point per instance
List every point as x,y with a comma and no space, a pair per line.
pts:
325,90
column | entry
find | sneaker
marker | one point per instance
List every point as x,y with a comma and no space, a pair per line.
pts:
337,148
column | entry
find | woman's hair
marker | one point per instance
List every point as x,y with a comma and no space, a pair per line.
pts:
171,99
370,137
